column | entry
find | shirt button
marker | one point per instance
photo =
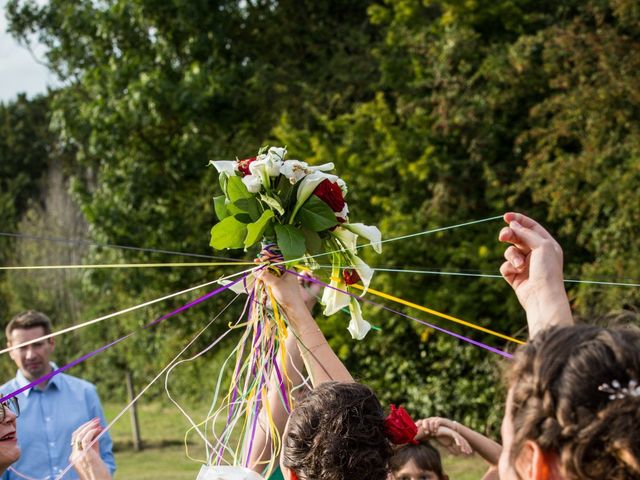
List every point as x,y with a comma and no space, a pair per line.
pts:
48,419
51,444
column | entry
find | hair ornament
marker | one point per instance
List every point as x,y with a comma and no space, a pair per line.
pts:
400,427
617,391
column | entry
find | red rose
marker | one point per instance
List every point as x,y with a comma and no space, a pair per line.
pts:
243,165
350,276
331,194
400,427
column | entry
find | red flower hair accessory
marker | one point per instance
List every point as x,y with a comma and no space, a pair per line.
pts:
400,427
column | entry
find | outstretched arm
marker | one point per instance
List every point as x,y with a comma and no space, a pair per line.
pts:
443,427
533,268
322,364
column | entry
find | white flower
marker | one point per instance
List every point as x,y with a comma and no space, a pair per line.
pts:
253,183
347,238
225,166
344,213
309,184
332,299
266,165
343,187
245,286
325,167
277,153
370,233
294,170
364,271
358,327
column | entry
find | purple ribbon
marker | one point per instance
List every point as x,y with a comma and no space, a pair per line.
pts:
75,362
435,327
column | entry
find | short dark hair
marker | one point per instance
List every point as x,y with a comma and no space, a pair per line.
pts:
424,455
337,433
29,319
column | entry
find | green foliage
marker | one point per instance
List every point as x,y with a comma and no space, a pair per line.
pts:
434,112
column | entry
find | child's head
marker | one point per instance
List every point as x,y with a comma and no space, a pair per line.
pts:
564,414
417,462
336,433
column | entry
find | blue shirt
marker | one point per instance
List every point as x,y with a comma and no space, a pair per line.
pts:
47,419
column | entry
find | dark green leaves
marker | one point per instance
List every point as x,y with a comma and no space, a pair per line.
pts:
291,242
316,215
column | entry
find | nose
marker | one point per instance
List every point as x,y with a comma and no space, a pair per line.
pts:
30,353
9,416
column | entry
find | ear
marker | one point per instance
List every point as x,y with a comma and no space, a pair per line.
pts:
533,464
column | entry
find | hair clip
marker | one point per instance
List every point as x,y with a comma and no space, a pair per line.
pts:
617,391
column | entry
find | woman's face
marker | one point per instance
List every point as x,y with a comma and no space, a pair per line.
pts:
411,471
9,450
506,471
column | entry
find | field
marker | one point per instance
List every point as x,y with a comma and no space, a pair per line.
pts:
163,458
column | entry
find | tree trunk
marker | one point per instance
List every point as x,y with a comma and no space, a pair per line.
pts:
135,427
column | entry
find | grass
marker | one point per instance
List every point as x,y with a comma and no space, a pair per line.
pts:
162,429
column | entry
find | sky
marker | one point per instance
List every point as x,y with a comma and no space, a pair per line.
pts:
19,70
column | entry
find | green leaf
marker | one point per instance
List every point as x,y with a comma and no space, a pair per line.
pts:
316,215
250,206
220,207
272,203
228,233
290,241
236,189
256,229
312,241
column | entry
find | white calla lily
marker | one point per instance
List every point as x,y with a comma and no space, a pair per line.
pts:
294,170
370,233
364,271
278,152
253,183
358,326
225,166
325,167
347,238
309,184
267,165
332,299
246,286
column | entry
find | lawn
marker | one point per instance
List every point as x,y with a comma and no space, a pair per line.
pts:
163,458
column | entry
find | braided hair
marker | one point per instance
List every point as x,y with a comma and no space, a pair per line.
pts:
557,400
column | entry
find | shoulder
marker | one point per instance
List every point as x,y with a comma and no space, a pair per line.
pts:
9,387
77,383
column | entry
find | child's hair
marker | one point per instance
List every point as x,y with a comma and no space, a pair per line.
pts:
562,383
424,455
337,433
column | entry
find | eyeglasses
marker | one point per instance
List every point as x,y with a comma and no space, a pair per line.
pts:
11,404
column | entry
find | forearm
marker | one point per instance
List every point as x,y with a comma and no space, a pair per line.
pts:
485,447
550,307
261,453
321,362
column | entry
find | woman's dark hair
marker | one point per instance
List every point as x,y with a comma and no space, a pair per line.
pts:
557,400
424,455
337,433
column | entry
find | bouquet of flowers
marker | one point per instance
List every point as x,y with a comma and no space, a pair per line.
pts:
301,210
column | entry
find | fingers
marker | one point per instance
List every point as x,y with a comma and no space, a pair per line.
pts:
509,273
515,257
527,223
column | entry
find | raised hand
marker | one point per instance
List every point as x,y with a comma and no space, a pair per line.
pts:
85,456
533,268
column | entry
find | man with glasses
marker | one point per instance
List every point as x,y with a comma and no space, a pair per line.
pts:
9,450
51,410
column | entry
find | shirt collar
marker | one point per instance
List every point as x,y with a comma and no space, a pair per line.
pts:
52,383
